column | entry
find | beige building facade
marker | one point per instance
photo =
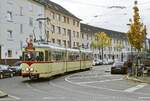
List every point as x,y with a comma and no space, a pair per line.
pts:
61,27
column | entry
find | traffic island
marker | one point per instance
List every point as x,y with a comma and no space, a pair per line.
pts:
2,94
145,79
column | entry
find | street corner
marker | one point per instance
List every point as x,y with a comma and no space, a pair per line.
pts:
137,79
3,94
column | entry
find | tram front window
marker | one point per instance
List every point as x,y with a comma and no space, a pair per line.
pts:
33,56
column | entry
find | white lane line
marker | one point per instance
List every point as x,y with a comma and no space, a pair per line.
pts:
6,99
14,97
37,90
99,81
132,89
84,85
84,77
144,98
53,98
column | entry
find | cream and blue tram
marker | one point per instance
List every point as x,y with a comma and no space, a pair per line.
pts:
46,60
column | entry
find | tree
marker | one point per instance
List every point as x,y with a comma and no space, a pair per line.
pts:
101,41
137,32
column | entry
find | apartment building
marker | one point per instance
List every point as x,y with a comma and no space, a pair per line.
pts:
18,20
61,27
114,51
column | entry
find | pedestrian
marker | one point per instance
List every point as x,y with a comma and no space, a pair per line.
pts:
129,66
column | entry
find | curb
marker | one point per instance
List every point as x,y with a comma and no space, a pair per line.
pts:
135,79
2,94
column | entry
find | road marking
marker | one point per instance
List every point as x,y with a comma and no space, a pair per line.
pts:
66,79
86,85
93,76
99,81
132,89
6,99
53,98
14,97
37,90
144,98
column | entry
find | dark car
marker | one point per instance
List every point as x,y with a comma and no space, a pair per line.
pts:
118,68
16,68
5,71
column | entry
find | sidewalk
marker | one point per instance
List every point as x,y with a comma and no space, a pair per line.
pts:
2,94
145,79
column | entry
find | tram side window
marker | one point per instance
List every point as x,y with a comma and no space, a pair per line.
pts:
40,56
73,57
88,57
46,56
57,56
29,56
83,56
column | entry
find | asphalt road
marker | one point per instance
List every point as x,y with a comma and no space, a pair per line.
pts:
93,85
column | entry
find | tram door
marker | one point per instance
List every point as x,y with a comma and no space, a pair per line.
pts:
83,63
47,59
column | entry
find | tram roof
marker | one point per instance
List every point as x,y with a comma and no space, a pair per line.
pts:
58,47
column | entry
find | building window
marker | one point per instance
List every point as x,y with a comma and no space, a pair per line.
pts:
53,15
53,29
10,34
59,42
21,28
21,11
77,34
64,31
9,53
64,41
21,45
74,22
31,21
74,34
77,44
74,44
77,23
69,44
53,40
58,30
47,36
30,8
68,20
58,17
9,16
87,37
64,19
82,36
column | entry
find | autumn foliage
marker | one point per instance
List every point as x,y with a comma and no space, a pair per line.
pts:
137,31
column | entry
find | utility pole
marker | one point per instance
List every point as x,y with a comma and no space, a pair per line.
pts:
46,34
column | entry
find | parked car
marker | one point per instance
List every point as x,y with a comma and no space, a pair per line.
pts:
16,68
97,62
118,68
110,61
105,62
5,71
100,62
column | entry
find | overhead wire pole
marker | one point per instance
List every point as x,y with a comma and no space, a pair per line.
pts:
45,19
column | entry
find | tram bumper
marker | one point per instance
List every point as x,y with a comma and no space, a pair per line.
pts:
25,74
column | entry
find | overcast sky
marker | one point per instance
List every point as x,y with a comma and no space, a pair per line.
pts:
109,14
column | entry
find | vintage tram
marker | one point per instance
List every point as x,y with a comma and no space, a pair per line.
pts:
45,60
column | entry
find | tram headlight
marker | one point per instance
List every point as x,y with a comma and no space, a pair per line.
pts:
31,69
27,69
